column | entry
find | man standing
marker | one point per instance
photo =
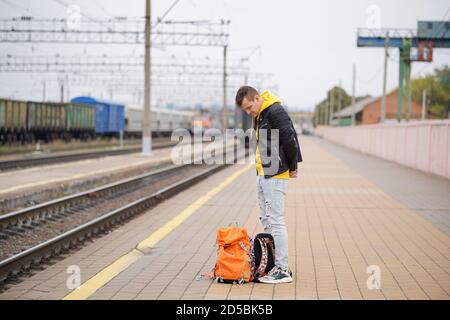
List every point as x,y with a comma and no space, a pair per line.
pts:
277,154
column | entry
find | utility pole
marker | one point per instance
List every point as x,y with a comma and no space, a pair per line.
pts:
320,115
224,108
323,111
247,58
353,95
408,89
331,106
43,90
62,92
403,78
424,104
317,116
147,121
243,114
383,99
339,102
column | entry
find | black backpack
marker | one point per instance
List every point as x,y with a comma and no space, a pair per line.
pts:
263,255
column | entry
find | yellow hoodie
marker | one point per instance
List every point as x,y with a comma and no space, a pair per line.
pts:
268,100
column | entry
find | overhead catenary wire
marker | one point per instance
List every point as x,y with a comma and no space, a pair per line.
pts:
164,15
372,78
105,12
27,11
89,15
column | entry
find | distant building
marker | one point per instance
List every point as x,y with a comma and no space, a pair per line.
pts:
368,111
346,113
303,121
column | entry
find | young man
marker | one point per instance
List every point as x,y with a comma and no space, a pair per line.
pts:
277,154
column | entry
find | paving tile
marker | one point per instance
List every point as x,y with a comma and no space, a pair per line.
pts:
341,225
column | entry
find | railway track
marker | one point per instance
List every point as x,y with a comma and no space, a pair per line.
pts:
40,161
47,230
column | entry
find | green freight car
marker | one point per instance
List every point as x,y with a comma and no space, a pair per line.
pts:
27,122
46,121
80,120
13,120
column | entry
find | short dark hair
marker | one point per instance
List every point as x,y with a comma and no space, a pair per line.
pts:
245,92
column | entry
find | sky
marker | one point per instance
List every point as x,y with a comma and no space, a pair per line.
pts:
305,47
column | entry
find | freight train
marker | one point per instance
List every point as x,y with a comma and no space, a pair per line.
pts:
109,116
26,122
82,118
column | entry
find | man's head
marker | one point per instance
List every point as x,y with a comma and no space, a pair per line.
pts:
249,100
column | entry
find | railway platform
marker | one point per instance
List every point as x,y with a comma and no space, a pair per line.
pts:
23,187
347,227
20,180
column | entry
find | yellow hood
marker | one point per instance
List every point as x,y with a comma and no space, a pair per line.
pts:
268,100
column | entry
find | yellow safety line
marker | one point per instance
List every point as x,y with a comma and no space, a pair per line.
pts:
107,274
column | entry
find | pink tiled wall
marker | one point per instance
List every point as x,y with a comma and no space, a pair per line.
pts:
424,145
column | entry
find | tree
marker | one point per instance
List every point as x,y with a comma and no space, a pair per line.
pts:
346,100
437,87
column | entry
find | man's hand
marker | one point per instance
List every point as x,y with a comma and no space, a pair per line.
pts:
293,174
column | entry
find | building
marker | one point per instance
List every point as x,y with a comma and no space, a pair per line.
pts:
368,111
303,121
346,113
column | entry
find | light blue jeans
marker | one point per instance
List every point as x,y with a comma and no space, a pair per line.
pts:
271,194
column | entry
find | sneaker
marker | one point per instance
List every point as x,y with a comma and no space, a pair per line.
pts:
277,275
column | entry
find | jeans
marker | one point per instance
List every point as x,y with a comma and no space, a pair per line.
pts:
271,195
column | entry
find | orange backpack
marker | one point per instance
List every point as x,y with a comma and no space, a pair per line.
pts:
233,256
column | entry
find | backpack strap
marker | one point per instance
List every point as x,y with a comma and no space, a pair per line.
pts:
264,257
272,247
242,245
208,275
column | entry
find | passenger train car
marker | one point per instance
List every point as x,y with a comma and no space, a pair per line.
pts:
163,121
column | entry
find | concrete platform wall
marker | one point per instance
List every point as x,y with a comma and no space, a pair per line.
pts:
423,145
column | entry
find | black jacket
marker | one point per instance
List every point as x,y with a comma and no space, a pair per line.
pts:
276,158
